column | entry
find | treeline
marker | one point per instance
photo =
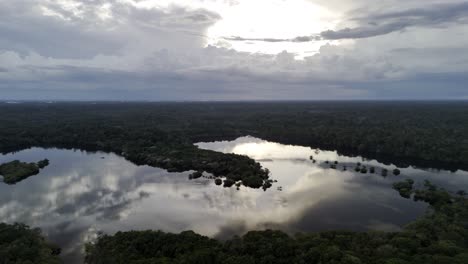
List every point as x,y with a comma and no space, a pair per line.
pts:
440,237
428,134
119,129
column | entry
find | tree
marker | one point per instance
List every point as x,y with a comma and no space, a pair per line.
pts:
384,172
228,183
21,244
196,175
218,181
43,163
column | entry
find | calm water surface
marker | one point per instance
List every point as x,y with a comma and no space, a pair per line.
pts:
81,193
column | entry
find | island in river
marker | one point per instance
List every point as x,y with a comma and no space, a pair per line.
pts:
16,171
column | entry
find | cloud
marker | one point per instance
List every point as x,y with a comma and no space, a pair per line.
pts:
387,22
377,24
52,29
121,50
296,39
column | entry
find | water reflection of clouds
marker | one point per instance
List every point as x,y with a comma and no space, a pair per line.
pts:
80,193
264,150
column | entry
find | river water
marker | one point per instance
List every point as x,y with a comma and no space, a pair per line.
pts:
82,193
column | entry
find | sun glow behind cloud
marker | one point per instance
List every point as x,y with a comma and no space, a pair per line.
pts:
272,19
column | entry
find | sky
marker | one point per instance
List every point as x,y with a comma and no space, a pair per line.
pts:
222,50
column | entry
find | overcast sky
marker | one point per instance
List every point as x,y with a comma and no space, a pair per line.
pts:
233,49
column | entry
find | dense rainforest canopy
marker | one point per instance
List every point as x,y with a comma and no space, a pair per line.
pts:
21,245
431,134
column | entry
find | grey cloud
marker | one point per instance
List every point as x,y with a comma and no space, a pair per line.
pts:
384,23
296,39
432,86
364,32
204,17
371,25
147,54
437,13
24,28
232,83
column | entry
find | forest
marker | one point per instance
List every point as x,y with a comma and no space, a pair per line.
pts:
426,134
19,244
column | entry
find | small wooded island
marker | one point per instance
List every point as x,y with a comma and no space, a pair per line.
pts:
16,171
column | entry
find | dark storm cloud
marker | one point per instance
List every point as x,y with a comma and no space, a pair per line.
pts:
388,22
296,39
364,32
371,25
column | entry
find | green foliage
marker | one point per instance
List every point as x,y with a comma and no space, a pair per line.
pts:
253,182
405,188
364,170
43,163
142,133
440,236
162,134
152,247
384,172
196,175
228,183
434,196
16,171
21,245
